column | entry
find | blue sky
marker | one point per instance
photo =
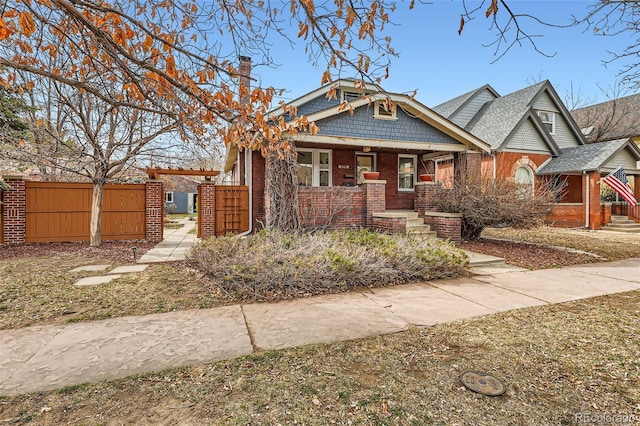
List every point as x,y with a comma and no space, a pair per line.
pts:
440,64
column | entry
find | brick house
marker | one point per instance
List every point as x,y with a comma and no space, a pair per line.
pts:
533,136
395,141
526,135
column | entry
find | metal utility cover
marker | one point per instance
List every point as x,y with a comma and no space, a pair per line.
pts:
483,383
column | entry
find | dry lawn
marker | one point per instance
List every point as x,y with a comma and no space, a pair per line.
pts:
557,362
40,290
609,245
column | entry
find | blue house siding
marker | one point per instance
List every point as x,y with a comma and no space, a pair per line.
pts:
318,104
362,125
181,202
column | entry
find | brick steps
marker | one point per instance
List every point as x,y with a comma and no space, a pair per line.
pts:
404,221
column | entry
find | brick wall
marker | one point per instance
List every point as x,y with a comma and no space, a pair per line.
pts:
342,158
388,167
595,211
425,197
374,199
389,224
446,225
207,211
257,189
154,210
606,213
337,207
14,211
566,215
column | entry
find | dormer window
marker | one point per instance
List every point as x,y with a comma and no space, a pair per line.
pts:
548,118
352,95
384,111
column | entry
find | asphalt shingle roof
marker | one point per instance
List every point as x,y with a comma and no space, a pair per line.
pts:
497,119
588,157
614,119
447,108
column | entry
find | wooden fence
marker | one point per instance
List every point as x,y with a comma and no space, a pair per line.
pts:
60,211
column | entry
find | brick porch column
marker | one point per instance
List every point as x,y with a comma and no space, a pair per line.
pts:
15,210
595,210
207,210
374,200
466,163
154,214
424,197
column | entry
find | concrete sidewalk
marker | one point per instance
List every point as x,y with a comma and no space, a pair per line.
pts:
175,244
49,357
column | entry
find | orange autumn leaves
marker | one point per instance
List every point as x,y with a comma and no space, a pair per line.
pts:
26,24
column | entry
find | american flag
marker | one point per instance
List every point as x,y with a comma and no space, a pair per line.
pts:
617,180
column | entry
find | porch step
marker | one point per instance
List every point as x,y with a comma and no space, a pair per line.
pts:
622,224
414,224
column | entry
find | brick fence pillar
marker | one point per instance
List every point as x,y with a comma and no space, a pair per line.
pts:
424,197
14,210
154,214
374,200
207,210
595,210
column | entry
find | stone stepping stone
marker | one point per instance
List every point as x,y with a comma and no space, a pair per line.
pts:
90,268
128,269
91,281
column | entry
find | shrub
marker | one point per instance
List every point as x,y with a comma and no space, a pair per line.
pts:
485,201
274,265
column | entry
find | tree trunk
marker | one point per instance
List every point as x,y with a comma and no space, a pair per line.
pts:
96,214
283,212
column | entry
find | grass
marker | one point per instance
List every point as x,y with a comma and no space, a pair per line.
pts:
609,245
557,361
41,291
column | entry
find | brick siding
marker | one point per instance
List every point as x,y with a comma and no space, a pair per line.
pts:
425,196
389,224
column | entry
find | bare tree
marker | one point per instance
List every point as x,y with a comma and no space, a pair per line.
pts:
80,134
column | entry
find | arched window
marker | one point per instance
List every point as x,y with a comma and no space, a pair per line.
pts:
524,182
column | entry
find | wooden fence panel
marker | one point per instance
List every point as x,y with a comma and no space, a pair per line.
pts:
232,210
60,211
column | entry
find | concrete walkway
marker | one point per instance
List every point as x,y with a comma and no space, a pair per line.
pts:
49,357
175,244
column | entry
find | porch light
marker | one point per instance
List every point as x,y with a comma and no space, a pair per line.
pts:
366,149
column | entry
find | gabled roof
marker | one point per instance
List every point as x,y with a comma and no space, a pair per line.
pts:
614,119
500,118
407,103
585,158
450,107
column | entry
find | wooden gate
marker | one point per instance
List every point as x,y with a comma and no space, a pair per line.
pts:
231,210
60,211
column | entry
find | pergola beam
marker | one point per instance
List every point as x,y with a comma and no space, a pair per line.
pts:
155,173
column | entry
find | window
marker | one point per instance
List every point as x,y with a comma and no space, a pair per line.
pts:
406,172
548,118
168,197
351,95
314,167
385,110
364,163
524,182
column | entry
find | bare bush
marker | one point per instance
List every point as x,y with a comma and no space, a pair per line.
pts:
274,265
485,201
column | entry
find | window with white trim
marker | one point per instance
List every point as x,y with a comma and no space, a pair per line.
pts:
548,118
314,167
168,197
384,110
406,172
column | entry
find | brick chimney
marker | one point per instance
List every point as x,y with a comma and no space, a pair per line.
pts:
245,79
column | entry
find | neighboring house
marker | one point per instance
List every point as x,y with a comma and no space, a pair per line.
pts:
532,134
614,119
180,194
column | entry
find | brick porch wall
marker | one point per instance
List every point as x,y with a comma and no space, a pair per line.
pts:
337,207
446,225
374,199
154,214
425,197
389,224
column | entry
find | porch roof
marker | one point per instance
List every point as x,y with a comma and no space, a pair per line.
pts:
585,158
